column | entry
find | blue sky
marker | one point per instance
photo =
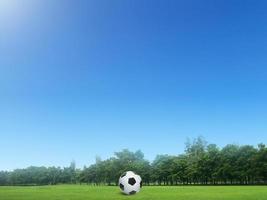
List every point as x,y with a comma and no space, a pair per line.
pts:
84,78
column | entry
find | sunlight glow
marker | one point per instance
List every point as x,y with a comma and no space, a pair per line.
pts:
14,14
8,8
15,10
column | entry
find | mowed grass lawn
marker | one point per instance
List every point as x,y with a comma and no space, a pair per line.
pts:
77,192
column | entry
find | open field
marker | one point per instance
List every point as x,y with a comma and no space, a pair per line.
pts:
76,192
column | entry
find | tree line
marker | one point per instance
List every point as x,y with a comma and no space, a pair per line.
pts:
201,163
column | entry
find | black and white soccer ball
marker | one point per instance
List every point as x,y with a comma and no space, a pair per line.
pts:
130,183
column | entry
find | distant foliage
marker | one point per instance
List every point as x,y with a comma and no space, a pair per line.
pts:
202,163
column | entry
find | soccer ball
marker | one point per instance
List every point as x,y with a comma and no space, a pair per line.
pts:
130,183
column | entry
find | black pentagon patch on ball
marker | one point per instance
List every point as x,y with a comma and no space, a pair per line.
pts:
124,174
122,187
131,181
141,184
132,192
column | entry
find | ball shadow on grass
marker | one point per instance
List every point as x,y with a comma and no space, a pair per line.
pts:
127,195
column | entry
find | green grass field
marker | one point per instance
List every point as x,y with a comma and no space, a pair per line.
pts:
76,192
